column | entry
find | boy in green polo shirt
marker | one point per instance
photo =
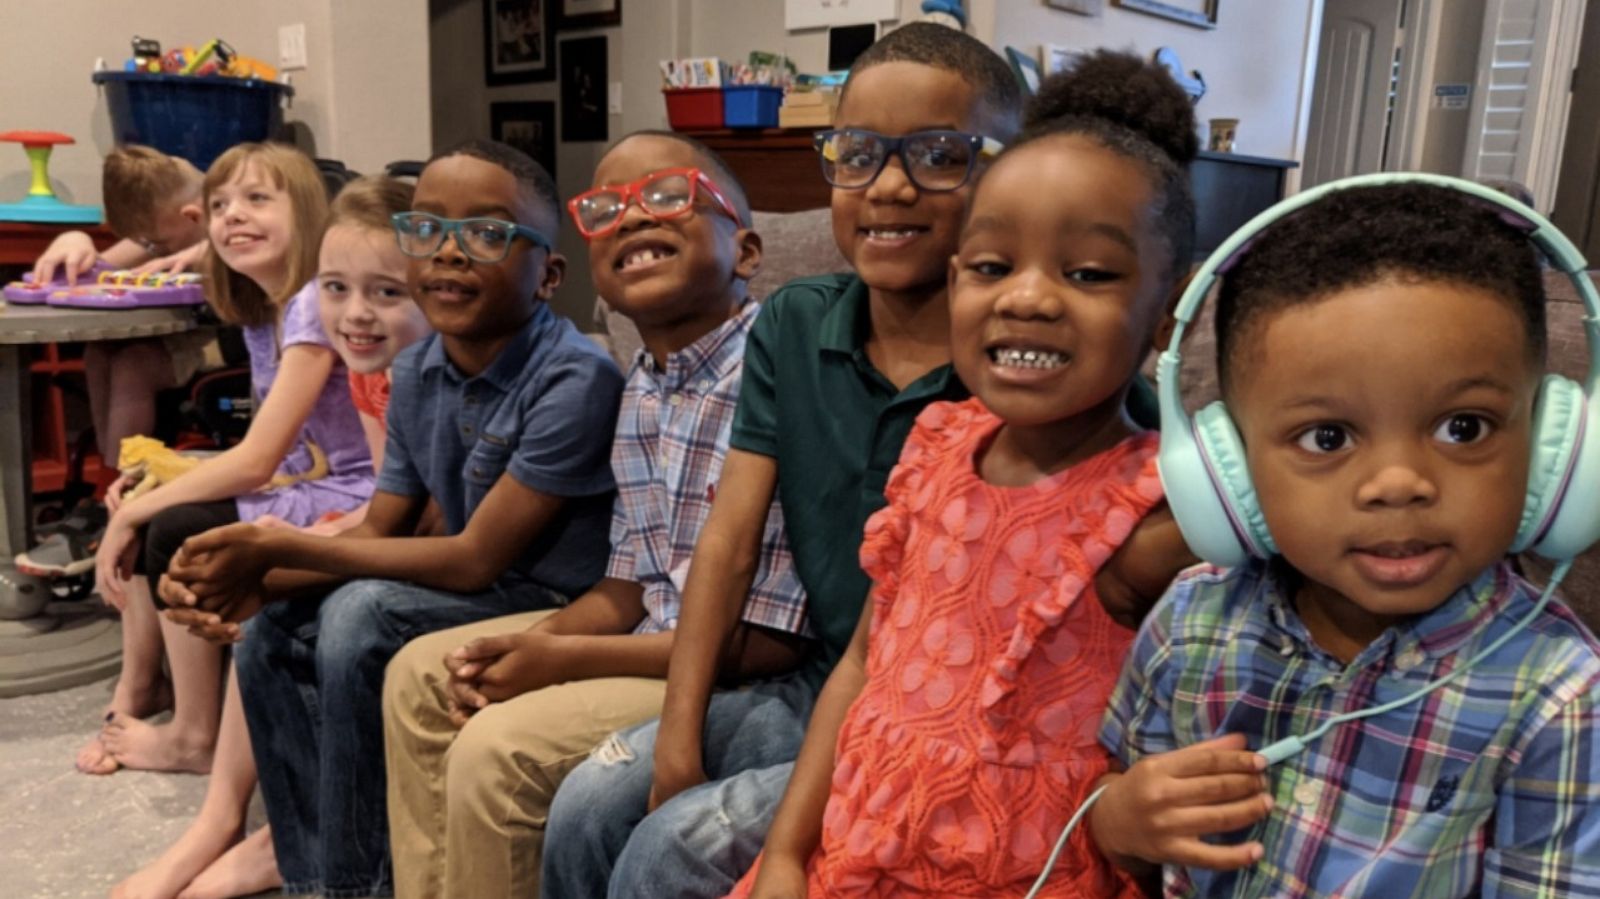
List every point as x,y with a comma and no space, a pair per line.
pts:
836,370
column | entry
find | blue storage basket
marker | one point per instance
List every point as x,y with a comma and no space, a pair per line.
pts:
751,105
196,118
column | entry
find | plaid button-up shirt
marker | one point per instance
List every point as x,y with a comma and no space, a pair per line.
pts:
672,437
1487,786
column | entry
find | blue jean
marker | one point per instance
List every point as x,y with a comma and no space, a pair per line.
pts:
600,842
311,675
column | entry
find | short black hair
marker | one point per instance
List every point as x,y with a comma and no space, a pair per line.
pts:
1135,109
1361,236
943,47
727,181
530,175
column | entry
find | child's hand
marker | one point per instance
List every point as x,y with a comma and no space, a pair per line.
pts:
114,494
1157,811
221,567
184,260
1141,569
494,669
208,626
72,252
113,562
779,877
674,773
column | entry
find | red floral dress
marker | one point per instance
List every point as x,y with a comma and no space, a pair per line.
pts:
989,667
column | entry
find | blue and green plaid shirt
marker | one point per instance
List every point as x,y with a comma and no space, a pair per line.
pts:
1488,786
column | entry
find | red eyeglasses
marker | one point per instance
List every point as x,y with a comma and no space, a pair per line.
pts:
666,194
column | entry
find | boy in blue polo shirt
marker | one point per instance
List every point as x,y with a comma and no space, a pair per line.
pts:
504,417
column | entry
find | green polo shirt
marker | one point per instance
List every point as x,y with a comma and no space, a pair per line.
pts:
813,401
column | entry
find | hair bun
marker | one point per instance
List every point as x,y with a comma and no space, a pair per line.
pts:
1125,90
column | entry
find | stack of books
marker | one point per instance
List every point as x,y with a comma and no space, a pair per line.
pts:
808,108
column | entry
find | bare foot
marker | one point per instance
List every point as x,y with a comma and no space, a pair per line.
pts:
138,702
248,868
199,847
138,744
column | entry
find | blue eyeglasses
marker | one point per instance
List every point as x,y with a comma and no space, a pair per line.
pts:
935,161
421,234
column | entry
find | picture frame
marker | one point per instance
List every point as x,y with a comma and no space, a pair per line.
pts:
575,14
1196,13
1081,7
585,114
528,125
518,41
1026,67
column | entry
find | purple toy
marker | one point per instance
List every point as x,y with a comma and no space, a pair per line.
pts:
125,290
28,293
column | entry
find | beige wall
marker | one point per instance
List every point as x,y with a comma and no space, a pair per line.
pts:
358,100
1444,142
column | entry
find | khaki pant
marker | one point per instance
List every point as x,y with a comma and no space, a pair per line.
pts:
467,809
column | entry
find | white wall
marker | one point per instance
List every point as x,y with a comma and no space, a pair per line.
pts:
1444,142
363,98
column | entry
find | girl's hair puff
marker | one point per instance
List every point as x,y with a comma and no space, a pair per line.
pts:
369,201
1134,109
236,299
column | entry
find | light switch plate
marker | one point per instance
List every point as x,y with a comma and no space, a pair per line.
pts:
292,46
614,107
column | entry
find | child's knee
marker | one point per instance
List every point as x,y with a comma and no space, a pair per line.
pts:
407,684
353,620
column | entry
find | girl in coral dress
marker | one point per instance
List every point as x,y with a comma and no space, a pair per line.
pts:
957,735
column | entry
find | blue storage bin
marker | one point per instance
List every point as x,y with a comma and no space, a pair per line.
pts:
196,118
751,105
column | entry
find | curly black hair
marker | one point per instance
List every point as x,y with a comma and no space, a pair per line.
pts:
945,48
726,180
1360,236
530,175
1133,108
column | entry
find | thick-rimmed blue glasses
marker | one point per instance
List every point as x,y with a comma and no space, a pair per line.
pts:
935,161
421,234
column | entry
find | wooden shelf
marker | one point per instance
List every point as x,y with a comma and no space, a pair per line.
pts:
778,166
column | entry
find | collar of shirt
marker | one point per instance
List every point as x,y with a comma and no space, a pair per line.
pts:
508,368
1427,637
844,330
707,360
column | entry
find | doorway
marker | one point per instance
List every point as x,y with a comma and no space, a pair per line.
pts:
1360,56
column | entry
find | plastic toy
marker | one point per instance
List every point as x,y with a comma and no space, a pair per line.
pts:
945,12
199,62
41,204
146,55
30,293
125,290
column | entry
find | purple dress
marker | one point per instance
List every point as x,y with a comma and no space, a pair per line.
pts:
333,425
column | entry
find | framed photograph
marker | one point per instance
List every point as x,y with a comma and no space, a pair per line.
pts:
1199,13
518,42
1081,7
530,126
583,89
1026,68
588,13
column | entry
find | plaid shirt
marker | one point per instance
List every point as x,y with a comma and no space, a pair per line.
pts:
1487,786
672,436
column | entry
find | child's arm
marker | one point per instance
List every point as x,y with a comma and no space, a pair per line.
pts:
74,252
1546,827
797,828
301,375
1142,568
721,571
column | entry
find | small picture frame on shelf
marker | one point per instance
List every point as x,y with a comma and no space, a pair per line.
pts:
1199,13
575,14
518,42
530,126
1081,7
1026,67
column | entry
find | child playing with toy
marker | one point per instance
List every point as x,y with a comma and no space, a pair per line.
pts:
1386,439
153,203
925,110
503,416
956,735
477,746
266,210
367,311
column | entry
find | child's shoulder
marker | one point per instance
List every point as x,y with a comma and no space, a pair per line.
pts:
811,296
574,348
1208,603
1554,640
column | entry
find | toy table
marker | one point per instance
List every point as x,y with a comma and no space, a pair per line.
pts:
68,644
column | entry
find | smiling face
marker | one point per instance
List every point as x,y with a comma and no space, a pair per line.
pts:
1052,304
664,271
249,223
899,238
468,300
1387,429
366,308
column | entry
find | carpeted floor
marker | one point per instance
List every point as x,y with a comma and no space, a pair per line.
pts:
65,835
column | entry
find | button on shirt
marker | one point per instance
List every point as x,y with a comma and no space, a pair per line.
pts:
543,412
1489,785
672,437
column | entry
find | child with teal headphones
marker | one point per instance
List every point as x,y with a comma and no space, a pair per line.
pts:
1370,701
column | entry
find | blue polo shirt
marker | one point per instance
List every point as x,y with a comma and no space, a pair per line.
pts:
544,411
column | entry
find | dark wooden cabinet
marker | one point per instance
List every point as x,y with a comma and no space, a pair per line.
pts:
1229,190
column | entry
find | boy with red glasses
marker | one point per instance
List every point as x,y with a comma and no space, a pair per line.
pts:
477,745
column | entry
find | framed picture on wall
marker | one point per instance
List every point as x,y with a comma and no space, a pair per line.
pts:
518,41
530,126
1199,13
583,89
1081,7
588,13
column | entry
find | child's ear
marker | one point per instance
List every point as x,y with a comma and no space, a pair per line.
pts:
748,262
1169,323
192,212
555,270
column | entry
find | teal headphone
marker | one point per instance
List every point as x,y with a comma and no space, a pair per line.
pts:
1203,467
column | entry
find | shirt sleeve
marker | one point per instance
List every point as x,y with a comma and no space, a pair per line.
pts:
565,445
399,474
755,419
621,565
1547,818
302,322
1138,719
